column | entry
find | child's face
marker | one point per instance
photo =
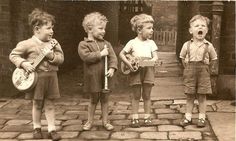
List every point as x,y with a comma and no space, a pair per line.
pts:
147,31
44,32
198,29
98,30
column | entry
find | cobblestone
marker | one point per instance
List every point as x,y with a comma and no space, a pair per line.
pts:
8,135
18,122
169,128
185,135
124,135
95,135
69,122
154,135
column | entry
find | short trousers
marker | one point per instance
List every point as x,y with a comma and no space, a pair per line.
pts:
143,75
197,78
46,87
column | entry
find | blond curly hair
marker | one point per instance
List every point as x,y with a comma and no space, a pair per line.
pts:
91,19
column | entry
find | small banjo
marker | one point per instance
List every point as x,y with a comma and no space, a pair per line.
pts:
136,63
24,81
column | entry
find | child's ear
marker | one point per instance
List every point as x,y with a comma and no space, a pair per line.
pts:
139,30
190,30
36,29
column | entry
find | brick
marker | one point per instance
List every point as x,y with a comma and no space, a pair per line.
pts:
124,135
164,111
9,111
114,117
121,122
75,112
163,102
68,135
124,103
185,135
66,117
18,122
154,135
73,128
17,103
169,128
121,107
169,116
66,103
94,135
2,121
122,111
17,128
141,129
160,121
195,128
72,122
8,135
75,107
25,136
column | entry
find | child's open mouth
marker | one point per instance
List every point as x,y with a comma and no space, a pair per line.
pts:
200,33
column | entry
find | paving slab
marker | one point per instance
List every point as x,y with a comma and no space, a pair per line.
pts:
223,125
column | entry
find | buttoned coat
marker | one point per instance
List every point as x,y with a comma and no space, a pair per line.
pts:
93,63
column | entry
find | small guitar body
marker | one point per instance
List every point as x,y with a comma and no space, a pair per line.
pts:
24,81
136,63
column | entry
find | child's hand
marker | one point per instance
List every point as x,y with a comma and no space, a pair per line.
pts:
132,69
28,67
104,52
110,72
48,53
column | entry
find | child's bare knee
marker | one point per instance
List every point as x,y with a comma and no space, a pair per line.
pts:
104,98
146,96
38,104
136,96
94,98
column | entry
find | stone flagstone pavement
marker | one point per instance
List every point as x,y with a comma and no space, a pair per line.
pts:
71,113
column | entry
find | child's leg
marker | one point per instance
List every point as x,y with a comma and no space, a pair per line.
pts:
135,100
50,114
104,107
202,106
147,101
189,106
36,113
94,98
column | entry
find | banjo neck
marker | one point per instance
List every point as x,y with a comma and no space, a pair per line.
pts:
41,55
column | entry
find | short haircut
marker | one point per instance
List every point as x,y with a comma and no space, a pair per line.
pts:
139,20
91,19
38,18
199,17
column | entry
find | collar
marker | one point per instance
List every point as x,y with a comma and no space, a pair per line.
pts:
89,40
37,40
204,41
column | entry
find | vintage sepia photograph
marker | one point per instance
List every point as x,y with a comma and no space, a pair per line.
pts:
117,70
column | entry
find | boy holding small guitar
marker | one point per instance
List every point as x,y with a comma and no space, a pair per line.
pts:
144,50
40,56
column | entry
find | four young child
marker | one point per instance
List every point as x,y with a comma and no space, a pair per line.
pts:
196,54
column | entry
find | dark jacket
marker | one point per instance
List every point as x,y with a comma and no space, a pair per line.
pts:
89,52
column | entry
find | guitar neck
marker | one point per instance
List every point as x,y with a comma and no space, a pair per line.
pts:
41,56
